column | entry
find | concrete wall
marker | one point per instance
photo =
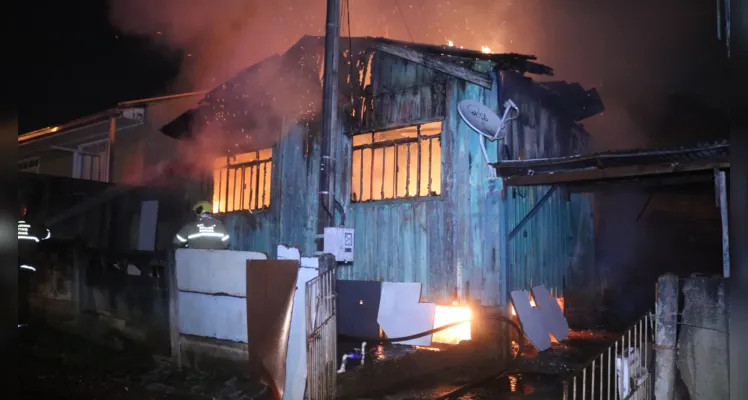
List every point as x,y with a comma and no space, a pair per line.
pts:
91,277
702,339
209,319
211,308
117,300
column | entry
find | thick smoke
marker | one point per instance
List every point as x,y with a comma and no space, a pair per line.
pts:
636,54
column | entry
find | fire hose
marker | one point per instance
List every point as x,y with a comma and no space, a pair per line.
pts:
463,388
511,323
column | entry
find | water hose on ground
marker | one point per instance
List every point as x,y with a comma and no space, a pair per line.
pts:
506,320
463,388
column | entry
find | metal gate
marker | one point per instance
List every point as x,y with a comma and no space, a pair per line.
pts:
621,372
322,337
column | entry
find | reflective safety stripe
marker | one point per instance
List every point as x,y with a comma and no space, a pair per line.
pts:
26,237
202,234
28,267
181,239
225,238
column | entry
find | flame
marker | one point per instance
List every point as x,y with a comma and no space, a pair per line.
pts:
485,49
393,171
257,182
445,315
450,43
559,300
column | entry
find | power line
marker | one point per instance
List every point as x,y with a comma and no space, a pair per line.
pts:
405,21
350,46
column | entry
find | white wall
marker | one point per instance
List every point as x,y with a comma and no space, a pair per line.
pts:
212,292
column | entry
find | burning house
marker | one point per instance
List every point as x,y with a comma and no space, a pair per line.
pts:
419,211
411,178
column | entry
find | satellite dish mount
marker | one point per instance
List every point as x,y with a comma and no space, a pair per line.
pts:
484,121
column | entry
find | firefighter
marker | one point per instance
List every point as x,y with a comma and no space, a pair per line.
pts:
206,232
29,236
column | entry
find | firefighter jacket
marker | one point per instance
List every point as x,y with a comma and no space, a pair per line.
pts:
206,232
29,235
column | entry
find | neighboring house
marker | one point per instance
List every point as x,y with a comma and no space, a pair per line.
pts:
411,177
81,148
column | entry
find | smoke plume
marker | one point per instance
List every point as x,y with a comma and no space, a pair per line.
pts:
635,53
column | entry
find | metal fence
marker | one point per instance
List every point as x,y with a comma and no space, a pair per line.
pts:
322,337
623,371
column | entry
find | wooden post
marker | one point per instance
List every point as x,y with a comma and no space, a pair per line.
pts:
110,152
171,276
326,216
720,187
737,295
666,334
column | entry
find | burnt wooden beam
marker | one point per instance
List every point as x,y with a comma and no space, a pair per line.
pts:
612,173
521,224
504,61
433,62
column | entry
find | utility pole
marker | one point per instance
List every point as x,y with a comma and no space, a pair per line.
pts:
735,14
326,216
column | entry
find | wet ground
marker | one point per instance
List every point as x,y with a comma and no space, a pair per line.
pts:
534,376
373,353
55,365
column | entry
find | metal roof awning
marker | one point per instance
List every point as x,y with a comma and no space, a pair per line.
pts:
616,165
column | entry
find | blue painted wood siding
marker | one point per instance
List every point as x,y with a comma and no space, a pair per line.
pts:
455,244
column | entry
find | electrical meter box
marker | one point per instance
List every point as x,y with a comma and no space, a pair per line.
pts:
339,243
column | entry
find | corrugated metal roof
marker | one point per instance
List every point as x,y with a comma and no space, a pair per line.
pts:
713,151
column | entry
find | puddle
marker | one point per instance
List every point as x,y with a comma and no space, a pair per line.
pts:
519,386
510,387
375,352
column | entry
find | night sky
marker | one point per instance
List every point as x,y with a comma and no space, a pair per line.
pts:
82,67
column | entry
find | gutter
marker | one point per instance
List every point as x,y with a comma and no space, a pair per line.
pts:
78,123
101,116
143,102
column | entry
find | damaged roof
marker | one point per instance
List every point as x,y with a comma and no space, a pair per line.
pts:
299,71
615,164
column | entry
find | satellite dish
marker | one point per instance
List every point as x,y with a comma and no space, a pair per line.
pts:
481,119
486,122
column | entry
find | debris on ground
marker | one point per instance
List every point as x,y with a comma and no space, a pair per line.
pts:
58,365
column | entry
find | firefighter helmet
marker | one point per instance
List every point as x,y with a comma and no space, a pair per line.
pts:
202,207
